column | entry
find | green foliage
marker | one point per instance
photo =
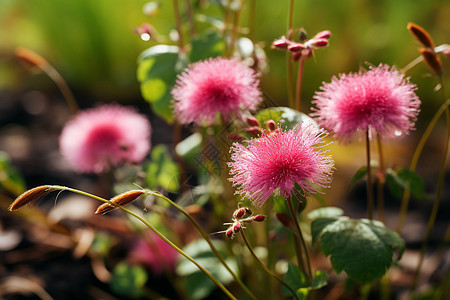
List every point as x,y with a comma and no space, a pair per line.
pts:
401,178
157,70
364,249
358,176
197,284
295,278
289,117
128,280
162,171
206,45
10,179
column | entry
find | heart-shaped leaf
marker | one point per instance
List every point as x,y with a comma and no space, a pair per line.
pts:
364,249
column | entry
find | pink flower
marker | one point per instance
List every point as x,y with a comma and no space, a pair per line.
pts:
214,86
99,138
380,100
154,253
280,160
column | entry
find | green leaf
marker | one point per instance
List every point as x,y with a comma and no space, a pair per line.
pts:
197,284
290,116
10,179
157,71
295,278
128,280
364,249
358,176
162,171
325,212
401,178
206,45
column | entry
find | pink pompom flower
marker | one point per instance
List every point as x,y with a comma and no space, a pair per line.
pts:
154,253
213,86
280,160
380,100
97,139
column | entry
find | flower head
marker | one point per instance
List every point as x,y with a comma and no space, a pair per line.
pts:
99,138
154,253
380,100
281,160
213,86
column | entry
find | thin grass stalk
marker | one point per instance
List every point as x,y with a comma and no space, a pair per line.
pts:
206,272
207,239
266,269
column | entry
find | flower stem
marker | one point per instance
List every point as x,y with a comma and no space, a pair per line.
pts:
303,256
266,269
439,190
40,62
207,239
381,180
415,159
369,178
298,88
178,24
207,273
290,72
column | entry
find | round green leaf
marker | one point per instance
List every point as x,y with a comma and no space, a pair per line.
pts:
364,249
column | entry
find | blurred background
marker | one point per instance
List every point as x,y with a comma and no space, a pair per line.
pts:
94,47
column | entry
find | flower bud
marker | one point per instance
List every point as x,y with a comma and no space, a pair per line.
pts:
237,227
35,194
271,125
284,219
259,218
229,233
119,200
323,35
296,47
280,44
254,131
318,43
421,35
252,121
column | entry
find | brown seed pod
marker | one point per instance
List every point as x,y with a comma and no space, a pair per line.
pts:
35,194
119,200
432,59
421,35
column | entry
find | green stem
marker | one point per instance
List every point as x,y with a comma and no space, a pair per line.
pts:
178,24
437,201
266,269
251,20
412,64
414,161
381,180
234,29
290,72
298,88
303,258
369,178
213,279
207,239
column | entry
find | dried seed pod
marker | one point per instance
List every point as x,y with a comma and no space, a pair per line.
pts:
421,35
432,59
35,194
119,200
